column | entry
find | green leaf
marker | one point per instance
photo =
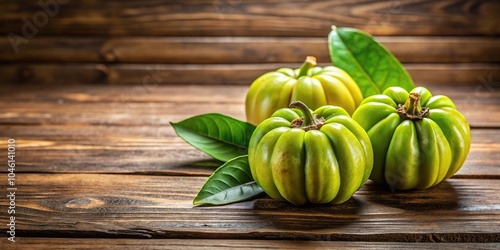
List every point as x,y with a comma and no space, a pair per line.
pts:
231,182
369,63
220,136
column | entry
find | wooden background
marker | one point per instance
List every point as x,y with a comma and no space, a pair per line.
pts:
234,41
89,98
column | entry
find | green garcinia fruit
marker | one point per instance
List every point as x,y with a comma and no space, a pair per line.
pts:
418,139
300,156
315,86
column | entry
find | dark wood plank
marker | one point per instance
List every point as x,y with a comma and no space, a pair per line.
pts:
257,18
158,150
58,49
123,94
209,74
486,89
125,114
101,153
452,73
148,104
225,50
131,206
182,244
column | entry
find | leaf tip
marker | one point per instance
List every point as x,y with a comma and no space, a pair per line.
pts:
334,27
196,202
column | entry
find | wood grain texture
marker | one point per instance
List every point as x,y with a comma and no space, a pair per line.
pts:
157,150
156,105
125,129
145,177
53,74
132,206
90,95
258,18
229,50
182,244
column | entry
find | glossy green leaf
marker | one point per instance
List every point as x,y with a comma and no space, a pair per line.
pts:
231,182
369,63
220,136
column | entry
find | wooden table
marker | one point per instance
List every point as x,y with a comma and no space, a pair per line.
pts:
99,165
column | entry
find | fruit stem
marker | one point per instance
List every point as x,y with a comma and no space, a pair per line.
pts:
412,104
309,121
308,63
411,109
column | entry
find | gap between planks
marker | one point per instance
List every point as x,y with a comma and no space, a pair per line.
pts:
131,206
234,50
206,244
61,74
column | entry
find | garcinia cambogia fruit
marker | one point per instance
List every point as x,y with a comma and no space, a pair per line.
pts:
314,86
418,139
301,156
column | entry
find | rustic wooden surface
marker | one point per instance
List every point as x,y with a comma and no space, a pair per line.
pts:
234,41
103,162
47,243
230,50
209,74
261,17
89,98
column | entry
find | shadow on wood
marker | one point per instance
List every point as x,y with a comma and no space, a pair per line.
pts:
441,196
